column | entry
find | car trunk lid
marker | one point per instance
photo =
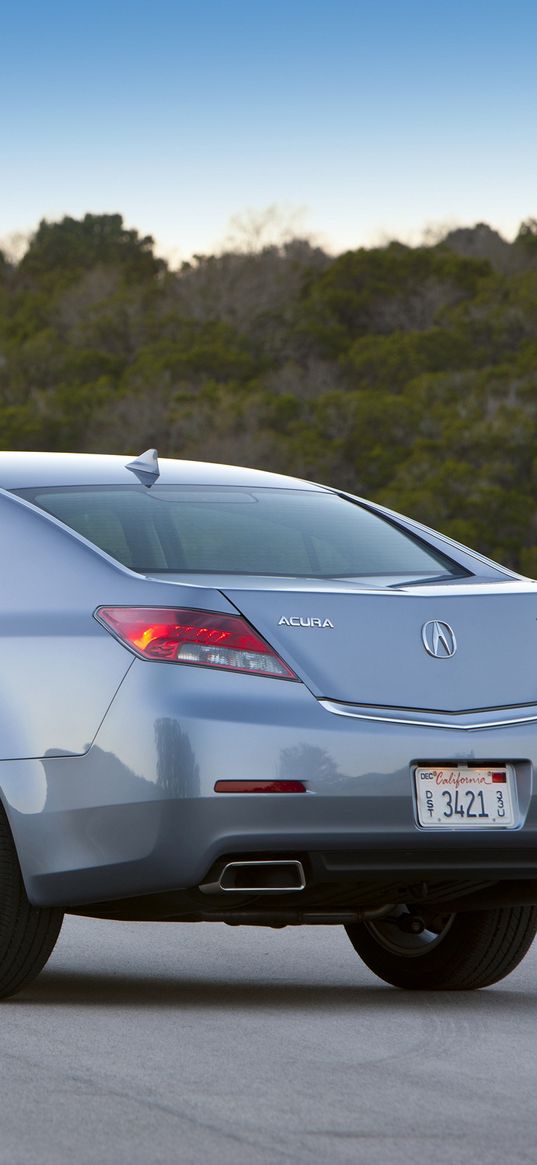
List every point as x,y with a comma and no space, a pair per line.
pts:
369,645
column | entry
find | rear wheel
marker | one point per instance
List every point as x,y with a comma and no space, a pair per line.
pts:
445,951
27,934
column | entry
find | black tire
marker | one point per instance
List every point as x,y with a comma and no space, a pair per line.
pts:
27,934
457,952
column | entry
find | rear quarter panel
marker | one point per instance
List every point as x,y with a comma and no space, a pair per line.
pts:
59,669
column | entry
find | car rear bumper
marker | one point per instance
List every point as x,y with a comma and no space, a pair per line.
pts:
137,814
169,846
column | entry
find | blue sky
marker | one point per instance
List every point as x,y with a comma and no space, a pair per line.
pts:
378,117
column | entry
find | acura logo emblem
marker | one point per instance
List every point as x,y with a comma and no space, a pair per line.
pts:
439,639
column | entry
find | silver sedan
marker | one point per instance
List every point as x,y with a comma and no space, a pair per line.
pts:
232,696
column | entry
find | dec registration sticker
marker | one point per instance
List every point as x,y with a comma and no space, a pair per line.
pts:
462,797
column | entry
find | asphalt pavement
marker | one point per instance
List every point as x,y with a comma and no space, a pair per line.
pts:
151,1044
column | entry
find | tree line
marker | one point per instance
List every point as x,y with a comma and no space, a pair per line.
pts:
405,374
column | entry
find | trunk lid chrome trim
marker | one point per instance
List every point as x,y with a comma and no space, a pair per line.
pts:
459,721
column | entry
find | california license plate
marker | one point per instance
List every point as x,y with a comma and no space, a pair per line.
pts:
459,797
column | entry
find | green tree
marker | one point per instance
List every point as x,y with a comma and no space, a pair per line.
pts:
75,245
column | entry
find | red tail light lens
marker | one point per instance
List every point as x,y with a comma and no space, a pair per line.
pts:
204,638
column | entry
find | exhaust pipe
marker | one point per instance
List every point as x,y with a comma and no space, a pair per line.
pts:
258,877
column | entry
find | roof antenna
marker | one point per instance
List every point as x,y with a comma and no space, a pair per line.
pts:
146,467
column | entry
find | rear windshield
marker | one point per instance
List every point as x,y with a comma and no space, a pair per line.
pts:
206,529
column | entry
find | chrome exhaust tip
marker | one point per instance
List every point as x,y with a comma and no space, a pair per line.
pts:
258,877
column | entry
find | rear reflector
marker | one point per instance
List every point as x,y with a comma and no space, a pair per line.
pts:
204,638
260,787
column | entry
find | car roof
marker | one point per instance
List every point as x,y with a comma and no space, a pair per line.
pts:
32,470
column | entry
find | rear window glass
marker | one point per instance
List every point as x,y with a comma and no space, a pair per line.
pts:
206,529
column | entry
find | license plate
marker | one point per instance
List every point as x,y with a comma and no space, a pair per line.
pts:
458,797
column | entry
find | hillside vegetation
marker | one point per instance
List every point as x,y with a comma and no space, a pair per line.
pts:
405,374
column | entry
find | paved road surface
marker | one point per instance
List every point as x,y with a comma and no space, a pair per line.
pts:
150,1044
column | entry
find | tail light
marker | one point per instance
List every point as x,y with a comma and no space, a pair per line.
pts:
205,638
